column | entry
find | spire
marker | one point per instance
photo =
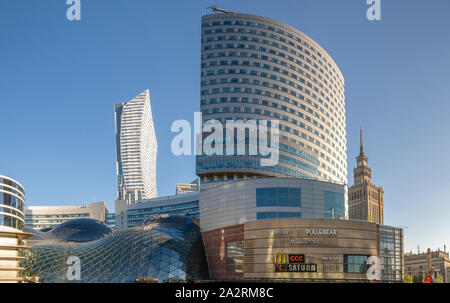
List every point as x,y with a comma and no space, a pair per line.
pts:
361,152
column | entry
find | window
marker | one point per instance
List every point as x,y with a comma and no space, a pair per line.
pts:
235,257
278,197
355,264
334,205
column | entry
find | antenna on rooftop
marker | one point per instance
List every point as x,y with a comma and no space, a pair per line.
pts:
215,9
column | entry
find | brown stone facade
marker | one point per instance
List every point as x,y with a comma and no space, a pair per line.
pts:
216,250
322,243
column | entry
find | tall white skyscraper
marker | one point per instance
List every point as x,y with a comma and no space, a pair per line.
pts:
136,149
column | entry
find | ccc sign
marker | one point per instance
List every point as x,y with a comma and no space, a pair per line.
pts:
296,258
280,258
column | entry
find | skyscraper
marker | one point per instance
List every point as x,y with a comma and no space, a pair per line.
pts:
136,149
256,68
365,200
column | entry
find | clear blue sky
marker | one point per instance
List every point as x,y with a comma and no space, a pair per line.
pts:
59,81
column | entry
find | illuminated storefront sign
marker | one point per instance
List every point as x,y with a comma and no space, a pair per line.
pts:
293,263
320,232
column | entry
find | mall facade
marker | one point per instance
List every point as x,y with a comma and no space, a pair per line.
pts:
292,229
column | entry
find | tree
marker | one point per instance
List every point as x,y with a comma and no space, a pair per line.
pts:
440,279
418,279
408,279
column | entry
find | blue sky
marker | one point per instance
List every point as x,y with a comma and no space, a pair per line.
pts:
59,81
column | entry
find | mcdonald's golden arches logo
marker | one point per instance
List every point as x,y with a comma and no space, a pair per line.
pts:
280,258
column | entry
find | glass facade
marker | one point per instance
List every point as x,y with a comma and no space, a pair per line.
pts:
391,253
138,216
255,68
164,247
235,257
278,197
334,205
355,264
12,203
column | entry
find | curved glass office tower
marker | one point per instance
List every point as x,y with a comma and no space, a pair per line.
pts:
256,68
12,204
12,222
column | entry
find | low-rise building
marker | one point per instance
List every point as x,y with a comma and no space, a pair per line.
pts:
185,188
40,217
129,215
416,265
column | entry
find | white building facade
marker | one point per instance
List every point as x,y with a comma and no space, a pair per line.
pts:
40,217
12,222
136,149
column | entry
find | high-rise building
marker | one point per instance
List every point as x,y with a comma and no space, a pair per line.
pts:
136,149
256,68
12,222
365,200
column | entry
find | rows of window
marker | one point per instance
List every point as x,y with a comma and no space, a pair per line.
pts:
270,81
390,253
10,189
276,115
249,164
11,200
292,108
138,219
11,183
11,211
339,147
76,215
296,152
9,221
262,66
254,28
162,208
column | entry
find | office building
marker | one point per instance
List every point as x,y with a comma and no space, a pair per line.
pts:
365,200
286,222
256,68
41,217
129,215
162,248
185,188
12,236
136,149
416,265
